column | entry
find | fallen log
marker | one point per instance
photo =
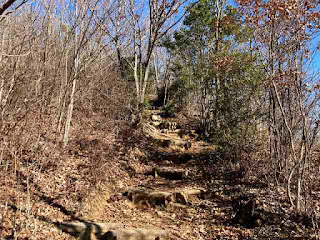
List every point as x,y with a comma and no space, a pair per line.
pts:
136,234
193,191
183,196
150,198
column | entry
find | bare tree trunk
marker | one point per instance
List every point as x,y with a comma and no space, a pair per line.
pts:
62,96
145,82
1,57
156,70
69,112
75,76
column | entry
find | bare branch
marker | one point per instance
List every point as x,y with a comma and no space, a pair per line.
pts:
7,4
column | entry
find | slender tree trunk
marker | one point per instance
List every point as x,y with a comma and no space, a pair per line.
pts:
156,70
62,96
2,78
145,82
69,113
74,81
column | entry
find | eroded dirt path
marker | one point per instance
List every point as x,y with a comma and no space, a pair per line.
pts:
176,184
182,185
170,184
205,208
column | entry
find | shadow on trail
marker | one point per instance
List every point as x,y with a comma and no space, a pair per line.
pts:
73,228
177,158
79,228
22,179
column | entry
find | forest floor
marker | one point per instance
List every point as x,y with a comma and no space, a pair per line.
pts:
90,181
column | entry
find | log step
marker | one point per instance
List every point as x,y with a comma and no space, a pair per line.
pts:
157,198
135,234
150,198
170,173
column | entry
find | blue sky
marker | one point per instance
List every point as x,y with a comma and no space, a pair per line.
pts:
316,58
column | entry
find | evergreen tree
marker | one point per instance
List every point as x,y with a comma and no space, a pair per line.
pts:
213,54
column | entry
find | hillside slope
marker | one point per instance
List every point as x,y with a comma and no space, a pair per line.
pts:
153,178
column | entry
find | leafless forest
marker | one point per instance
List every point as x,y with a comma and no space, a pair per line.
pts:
97,96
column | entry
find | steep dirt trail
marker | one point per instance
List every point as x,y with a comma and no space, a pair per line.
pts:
179,188
163,184
171,187
183,168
